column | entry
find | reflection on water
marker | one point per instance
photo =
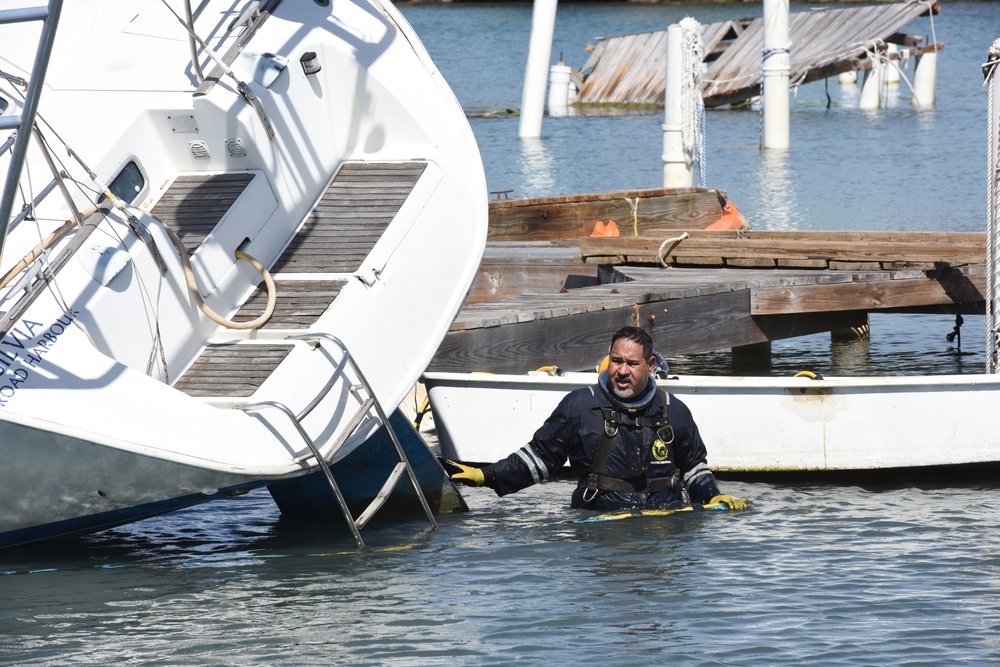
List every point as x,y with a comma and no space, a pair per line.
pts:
849,93
897,345
776,191
536,165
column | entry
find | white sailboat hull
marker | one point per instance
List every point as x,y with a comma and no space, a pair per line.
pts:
78,486
752,424
359,185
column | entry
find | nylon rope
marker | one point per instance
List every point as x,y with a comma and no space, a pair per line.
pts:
692,104
992,210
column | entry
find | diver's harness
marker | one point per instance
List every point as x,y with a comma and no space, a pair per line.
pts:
596,481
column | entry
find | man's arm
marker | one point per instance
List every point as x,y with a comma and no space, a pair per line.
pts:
535,462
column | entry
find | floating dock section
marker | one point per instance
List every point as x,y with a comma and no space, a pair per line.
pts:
630,69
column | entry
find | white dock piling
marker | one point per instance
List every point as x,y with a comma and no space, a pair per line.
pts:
990,69
871,89
924,80
893,64
777,67
560,77
678,172
543,23
848,78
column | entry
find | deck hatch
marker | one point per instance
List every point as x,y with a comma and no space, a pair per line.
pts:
350,218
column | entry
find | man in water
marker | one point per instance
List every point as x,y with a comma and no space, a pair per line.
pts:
631,445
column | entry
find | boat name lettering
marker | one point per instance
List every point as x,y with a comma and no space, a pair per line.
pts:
18,375
34,340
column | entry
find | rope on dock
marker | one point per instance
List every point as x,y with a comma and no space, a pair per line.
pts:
661,256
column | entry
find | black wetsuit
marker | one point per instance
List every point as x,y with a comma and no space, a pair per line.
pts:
575,431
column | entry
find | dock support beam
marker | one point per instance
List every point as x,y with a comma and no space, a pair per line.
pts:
777,68
678,171
543,22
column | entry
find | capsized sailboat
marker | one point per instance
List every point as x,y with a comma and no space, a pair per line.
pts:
233,235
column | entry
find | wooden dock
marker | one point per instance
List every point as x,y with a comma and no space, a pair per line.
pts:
735,292
534,243
630,69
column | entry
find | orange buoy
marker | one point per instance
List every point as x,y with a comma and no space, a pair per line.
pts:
732,219
609,229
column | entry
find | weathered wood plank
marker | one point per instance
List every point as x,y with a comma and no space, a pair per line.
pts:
789,248
942,288
298,303
194,204
574,216
680,326
345,225
505,279
231,370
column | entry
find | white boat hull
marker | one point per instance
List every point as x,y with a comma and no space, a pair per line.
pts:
758,425
96,425
77,486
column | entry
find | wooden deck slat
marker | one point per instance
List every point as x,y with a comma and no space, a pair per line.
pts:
353,213
298,305
193,204
338,235
231,370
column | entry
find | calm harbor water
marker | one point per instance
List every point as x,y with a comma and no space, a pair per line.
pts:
824,574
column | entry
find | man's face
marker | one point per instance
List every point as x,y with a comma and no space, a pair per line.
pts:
628,372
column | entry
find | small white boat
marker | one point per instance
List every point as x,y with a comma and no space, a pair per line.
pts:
751,424
232,242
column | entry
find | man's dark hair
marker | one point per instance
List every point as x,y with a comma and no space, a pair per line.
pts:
636,335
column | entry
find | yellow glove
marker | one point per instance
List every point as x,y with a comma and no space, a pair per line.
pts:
463,474
729,501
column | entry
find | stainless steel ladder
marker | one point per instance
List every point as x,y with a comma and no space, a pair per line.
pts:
371,402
